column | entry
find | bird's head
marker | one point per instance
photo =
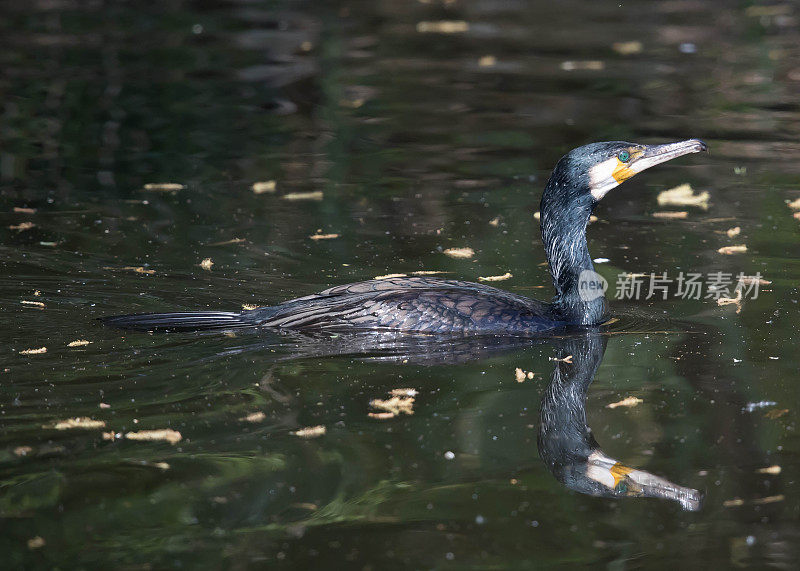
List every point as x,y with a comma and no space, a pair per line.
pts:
599,167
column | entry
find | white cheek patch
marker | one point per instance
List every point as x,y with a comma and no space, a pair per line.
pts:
601,178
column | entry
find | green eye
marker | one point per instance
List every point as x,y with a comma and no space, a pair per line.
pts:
624,156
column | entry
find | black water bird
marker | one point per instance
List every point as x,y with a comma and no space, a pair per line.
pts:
567,445
428,305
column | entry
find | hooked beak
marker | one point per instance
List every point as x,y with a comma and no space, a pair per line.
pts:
653,155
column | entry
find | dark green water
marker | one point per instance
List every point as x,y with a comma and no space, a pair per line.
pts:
417,141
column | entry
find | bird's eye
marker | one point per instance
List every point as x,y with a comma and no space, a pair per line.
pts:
624,156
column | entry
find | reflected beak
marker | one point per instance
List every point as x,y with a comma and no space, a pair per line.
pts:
653,155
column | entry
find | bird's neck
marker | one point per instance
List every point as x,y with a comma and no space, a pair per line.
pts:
577,300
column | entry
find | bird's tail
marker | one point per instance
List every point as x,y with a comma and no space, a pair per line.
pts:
188,321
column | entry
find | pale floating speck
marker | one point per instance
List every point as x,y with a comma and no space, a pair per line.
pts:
36,542
258,416
537,215
161,465
495,221
78,422
323,236
505,276
627,402
381,415
627,48
229,242
313,195
796,215
520,375
22,226
733,232
165,434
776,413
264,186
403,392
601,260
772,470
23,210
164,186
443,27
751,280
249,306
38,304
104,405
669,215
462,253
310,432
729,250
449,455
684,195
206,264
794,205
487,61
583,65
38,351
79,343
389,276
428,272
22,450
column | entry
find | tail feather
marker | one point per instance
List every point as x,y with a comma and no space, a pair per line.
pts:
187,321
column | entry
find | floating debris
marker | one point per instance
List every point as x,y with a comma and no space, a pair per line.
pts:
49,244
585,65
229,242
627,48
495,221
389,276
404,392
601,260
79,343
732,300
206,264
264,186
394,405
733,232
137,269
428,272
254,417
165,434
567,359
669,215
626,402
36,542
730,250
310,432
381,415
752,280
104,405
22,226
796,215
443,27
772,470
487,61
22,450
249,306
683,195
521,375
737,502
323,236
776,413
164,186
794,205
505,276
77,422
38,304
23,210
313,195
459,252
751,406
38,351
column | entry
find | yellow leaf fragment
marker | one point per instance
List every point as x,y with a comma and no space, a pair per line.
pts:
394,405
323,236
669,215
264,186
583,65
627,402
733,232
314,195
730,250
78,422
165,434
772,470
505,276
683,195
38,351
79,343
258,416
207,264
462,253
627,48
310,432
443,27
22,226
164,186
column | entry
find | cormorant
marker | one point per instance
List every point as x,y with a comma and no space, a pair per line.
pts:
427,305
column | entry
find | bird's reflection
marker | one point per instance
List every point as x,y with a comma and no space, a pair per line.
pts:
566,444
